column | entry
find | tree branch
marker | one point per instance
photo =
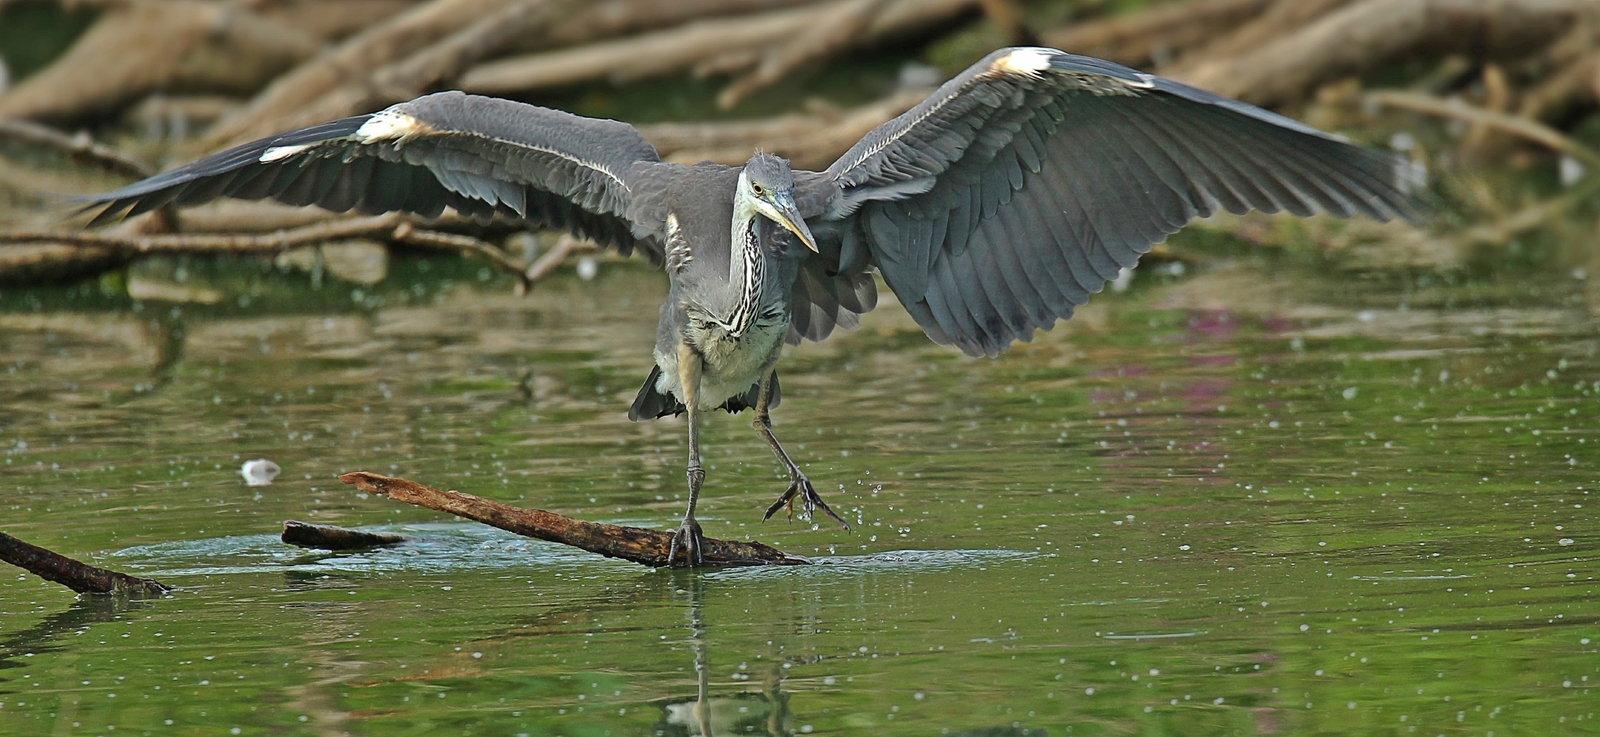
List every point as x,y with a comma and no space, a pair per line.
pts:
633,544
393,227
74,574
79,148
1521,127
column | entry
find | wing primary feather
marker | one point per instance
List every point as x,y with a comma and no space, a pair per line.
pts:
946,305
1116,174
1099,217
1036,263
1051,273
1223,183
1153,150
1005,253
1079,236
994,282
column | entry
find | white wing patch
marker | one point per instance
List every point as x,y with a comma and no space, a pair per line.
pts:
678,254
1024,62
279,153
390,125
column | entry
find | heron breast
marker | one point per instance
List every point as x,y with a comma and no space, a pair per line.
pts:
734,362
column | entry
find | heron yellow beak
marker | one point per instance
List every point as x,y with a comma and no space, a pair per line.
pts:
788,215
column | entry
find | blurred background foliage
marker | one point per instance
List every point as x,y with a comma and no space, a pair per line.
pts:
1497,99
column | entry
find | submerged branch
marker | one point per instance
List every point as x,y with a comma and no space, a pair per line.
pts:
74,574
634,544
324,537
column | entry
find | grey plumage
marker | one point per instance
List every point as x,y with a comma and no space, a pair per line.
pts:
991,210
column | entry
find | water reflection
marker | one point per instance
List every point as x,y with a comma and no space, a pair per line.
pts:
49,635
763,713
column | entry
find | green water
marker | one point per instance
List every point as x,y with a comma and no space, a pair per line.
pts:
1252,500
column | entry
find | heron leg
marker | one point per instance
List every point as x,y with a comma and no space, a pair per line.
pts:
799,486
688,536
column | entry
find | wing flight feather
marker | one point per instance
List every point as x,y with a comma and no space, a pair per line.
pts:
1026,183
478,155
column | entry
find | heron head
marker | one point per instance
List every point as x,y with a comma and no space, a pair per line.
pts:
767,186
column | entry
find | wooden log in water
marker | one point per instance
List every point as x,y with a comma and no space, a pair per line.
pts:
634,544
74,574
327,537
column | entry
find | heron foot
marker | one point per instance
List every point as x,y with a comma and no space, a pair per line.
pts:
690,539
800,488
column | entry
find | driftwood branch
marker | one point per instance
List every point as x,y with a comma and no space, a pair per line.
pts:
80,148
552,259
410,234
613,18
140,46
809,141
74,574
1357,37
1163,31
1244,36
393,227
325,537
833,29
767,45
1531,130
634,544
342,80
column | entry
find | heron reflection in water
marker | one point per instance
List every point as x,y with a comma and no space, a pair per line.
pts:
765,713
991,210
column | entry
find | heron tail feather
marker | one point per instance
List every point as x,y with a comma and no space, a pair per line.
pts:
651,404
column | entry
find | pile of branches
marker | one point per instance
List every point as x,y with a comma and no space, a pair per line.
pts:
1516,75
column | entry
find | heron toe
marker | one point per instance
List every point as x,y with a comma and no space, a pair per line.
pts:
800,487
690,539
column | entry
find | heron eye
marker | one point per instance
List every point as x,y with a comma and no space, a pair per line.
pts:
759,190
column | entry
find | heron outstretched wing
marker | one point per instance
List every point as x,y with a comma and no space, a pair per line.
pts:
478,155
1026,183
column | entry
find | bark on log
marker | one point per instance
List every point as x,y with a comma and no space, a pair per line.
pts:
1358,37
326,537
74,574
143,46
634,544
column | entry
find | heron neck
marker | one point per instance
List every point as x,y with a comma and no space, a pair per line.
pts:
746,269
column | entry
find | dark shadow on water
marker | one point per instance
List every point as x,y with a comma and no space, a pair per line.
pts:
45,637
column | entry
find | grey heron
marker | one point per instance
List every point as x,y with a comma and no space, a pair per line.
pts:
991,210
